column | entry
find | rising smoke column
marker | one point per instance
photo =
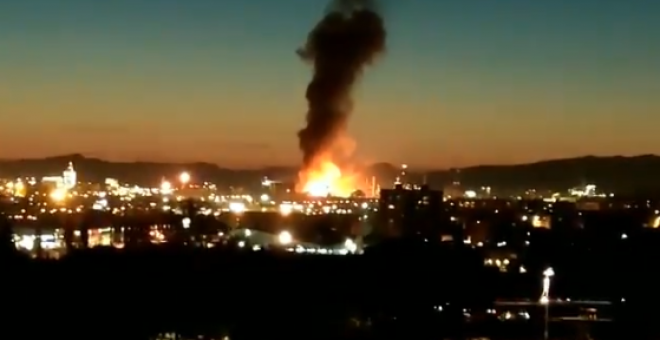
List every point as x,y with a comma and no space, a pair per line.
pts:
346,40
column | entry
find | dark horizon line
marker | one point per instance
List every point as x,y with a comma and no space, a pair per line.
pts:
423,168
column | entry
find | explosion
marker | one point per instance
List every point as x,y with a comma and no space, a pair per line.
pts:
341,45
325,178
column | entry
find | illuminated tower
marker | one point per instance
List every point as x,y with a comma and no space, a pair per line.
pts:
69,177
456,177
374,187
402,178
545,294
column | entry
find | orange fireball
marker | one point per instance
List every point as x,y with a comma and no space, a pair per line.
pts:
325,178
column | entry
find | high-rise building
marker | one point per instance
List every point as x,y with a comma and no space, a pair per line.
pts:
404,211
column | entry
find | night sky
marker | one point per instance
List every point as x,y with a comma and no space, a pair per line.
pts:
464,82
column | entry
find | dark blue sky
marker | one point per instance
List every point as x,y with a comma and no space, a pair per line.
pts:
463,82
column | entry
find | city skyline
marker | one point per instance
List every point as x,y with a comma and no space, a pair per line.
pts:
196,80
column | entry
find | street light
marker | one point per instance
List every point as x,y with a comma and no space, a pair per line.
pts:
545,298
285,238
184,178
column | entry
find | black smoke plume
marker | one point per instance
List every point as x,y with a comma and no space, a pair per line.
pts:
346,40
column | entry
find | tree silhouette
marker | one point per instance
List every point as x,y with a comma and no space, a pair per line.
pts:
38,232
84,230
358,194
68,236
191,211
7,247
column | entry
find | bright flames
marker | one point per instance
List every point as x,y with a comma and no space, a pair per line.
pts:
326,179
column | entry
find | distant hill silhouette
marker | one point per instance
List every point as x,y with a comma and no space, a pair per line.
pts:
616,173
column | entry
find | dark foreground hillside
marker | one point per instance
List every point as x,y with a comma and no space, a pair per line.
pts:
135,294
165,289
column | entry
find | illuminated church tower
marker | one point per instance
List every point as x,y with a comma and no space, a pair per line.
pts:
69,177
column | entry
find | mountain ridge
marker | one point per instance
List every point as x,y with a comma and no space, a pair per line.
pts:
618,173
